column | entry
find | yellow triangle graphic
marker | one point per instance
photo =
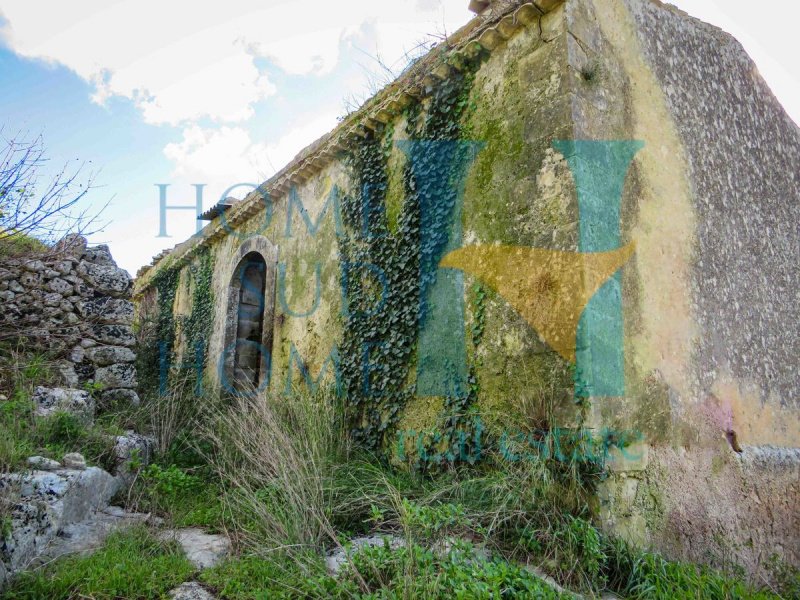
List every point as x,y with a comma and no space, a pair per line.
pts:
549,288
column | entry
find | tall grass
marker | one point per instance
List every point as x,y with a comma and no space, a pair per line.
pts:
275,455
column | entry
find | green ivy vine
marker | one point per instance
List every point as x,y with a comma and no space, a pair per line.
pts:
157,338
385,303
197,326
156,353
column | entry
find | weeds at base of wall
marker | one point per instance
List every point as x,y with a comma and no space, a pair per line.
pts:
283,480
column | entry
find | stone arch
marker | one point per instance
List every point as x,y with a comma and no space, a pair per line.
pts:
249,321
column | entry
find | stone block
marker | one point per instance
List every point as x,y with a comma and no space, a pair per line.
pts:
49,401
114,335
104,356
106,280
116,376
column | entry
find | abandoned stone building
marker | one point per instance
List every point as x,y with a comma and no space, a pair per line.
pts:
580,214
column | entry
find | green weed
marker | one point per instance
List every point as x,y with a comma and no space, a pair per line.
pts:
132,564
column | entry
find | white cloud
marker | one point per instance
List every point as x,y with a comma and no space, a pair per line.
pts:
180,61
226,156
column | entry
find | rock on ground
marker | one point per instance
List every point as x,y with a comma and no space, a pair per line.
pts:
129,447
191,591
40,463
90,535
49,502
204,550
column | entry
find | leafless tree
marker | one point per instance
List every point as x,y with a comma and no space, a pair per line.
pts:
38,206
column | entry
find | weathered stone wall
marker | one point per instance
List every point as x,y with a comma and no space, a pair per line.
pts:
74,304
713,203
709,298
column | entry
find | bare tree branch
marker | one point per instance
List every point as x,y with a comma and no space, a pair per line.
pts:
33,206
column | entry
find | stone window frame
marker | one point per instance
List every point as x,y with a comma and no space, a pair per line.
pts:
269,252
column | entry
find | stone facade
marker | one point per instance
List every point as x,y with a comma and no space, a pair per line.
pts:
75,305
709,299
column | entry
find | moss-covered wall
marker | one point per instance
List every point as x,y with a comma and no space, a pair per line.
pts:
708,316
713,411
517,191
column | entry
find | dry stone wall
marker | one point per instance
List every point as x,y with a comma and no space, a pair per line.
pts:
74,304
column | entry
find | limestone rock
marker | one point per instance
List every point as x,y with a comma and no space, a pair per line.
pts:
64,267
191,591
74,460
77,354
66,370
89,535
59,286
204,550
123,397
132,446
49,401
99,255
114,335
108,280
104,356
72,244
112,311
47,503
34,266
40,463
116,376
29,280
53,299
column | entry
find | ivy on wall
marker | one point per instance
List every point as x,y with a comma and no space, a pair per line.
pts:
157,337
386,274
197,326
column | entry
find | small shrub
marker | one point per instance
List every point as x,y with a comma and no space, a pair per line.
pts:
650,576
185,499
276,454
429,523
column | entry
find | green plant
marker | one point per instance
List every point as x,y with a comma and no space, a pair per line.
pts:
22,434
183,498
275,575
273,455
426,522
416,572
636,574
382,322
131,564
786,576
197,326
156,335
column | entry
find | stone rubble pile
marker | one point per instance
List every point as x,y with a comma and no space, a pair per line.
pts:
77,305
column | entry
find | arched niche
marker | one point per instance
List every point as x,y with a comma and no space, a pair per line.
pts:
250,315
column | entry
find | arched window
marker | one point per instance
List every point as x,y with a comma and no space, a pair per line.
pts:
246,360
249,353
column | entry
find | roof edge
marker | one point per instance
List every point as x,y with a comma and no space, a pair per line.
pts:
484,32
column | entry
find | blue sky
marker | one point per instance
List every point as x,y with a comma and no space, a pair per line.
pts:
144,92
